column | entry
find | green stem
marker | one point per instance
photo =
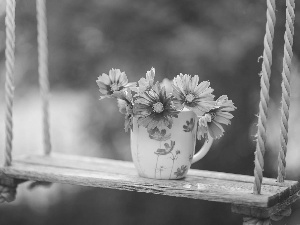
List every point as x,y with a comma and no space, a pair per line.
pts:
156,166
173,159
157,161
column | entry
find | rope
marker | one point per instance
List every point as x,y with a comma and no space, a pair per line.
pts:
285,85
278,216
264,96
255,221
9,78
8,188
36,184
7,194
43,70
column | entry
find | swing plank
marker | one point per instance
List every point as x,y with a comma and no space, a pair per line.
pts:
115,174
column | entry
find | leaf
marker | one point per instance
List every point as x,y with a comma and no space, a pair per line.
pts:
160,151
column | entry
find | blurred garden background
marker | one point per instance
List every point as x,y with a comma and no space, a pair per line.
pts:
219,40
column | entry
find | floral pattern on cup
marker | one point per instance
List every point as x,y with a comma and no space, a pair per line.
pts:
164,151
189,125
173,158
159,135
161,169
181,171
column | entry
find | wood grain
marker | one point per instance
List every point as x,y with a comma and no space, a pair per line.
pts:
259,212
107,173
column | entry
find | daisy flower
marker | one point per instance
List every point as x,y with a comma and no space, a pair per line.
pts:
125,104
168,85
114,82
145,83
154,108
191,95
210,123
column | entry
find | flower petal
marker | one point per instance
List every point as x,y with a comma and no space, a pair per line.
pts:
104,78
215,130
122,104
202,132
220,119
130,85
202,87
112,75
128,123
119,77
146,83
194,82
177,105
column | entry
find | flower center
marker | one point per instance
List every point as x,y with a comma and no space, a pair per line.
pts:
213,115
114,87
190,97
158,107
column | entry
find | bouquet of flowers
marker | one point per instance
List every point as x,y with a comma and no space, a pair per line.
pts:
155,105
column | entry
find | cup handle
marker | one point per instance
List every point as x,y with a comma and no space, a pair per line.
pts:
203,151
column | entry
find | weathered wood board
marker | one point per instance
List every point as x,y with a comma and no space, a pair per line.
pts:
262,212
107,173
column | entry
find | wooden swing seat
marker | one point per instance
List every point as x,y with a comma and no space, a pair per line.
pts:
199,184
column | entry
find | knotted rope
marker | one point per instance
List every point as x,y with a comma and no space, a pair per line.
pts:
255,221
9,78
7,194
43,70
278,216
264,96
8,189
285,85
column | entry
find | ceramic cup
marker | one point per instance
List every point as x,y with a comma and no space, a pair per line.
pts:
167,153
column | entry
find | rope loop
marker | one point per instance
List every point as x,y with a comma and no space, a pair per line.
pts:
7,194
284,213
